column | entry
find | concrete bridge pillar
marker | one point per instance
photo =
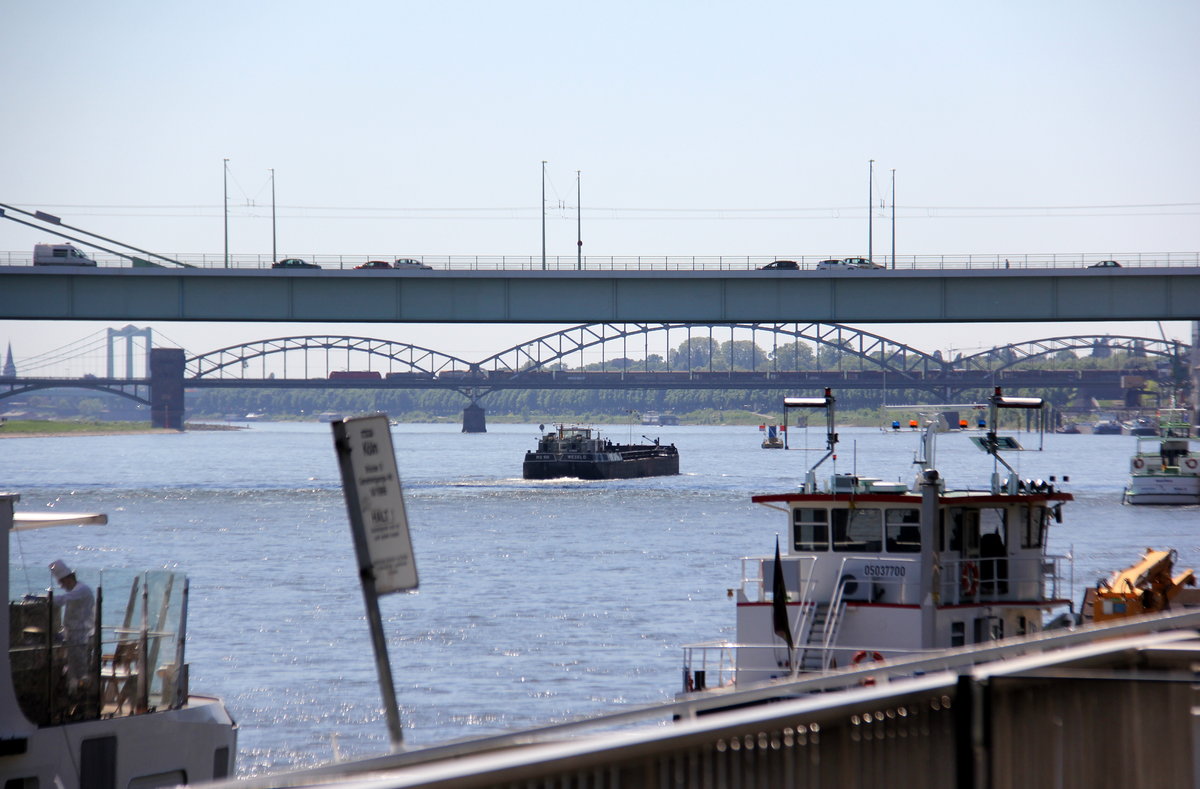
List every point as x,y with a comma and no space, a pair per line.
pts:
166,388
474,419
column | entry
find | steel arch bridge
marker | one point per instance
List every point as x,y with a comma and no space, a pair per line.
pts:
410,358
136,390
1006,356
866,347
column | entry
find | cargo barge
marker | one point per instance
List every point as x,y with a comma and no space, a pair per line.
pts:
581,453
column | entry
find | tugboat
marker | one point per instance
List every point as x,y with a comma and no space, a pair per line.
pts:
1165,469
875,570
94,690
581,453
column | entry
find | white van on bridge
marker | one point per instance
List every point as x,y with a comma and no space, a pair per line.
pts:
60,255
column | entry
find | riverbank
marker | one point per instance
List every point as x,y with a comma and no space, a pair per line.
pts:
49,428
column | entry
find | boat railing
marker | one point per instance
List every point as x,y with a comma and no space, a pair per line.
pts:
708,665
711,665
797,572
1003,579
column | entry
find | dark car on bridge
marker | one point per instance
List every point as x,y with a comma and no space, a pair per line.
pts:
375,264
294,263
780,265
1106,264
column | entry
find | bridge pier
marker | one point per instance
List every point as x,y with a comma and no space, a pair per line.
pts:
474,419
166,388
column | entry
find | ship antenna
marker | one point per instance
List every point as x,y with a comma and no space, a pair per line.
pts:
992,443
831,438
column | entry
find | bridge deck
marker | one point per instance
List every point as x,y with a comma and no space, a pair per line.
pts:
893,296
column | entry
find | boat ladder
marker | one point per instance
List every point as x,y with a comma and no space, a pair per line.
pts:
822,632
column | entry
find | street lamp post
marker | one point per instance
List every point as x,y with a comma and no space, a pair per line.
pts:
871,214
543,215
274,254
578,225
225,174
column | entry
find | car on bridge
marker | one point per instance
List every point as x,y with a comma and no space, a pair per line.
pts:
375,264
780,265
411,263
1106,264
294,263
848,264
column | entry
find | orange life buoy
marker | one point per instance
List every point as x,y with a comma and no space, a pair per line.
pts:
1190,464
970,578
863,655
1138,462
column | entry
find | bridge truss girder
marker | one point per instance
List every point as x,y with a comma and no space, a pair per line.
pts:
869,349
412,358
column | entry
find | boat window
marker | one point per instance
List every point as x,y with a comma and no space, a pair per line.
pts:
962,530
810,529
858,530
1033,526
903,529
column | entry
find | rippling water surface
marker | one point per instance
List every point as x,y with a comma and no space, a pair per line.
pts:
538,601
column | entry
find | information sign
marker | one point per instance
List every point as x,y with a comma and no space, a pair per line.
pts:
375,502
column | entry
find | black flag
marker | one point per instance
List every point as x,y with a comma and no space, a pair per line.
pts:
783,628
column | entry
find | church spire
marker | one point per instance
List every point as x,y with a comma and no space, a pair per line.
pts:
10,369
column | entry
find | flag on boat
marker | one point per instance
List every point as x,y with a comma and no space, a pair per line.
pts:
783,628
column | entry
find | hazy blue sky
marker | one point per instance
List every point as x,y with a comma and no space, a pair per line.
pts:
400,128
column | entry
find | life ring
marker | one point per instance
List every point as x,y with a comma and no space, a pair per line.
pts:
1138,463
1191,463
970,578
863,655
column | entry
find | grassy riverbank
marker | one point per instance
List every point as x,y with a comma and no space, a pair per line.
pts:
41,428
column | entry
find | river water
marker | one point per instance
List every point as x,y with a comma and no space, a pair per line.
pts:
539,601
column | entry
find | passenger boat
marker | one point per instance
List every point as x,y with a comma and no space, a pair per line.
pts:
1165,469
111,708
580,452
873,570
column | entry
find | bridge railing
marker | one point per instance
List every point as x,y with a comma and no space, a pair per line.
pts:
988,262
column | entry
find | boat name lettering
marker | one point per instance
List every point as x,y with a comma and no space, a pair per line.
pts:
884,570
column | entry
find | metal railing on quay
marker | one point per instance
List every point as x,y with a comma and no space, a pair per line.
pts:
1058,709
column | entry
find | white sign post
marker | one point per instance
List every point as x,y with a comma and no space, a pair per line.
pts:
379,525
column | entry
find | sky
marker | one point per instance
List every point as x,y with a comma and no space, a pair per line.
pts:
399,129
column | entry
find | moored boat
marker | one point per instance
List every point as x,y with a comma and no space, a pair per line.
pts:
581,452
96,695
874,570
1165,469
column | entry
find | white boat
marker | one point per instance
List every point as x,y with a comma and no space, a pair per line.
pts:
1165,469
112,709
873,570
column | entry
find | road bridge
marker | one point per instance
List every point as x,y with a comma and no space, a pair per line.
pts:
705,295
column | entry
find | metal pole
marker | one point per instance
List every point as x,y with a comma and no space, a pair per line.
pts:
578,225
274,254
893,218
543,215
871,213
226,177
366,572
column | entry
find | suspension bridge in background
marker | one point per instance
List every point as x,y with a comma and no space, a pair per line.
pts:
633,356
